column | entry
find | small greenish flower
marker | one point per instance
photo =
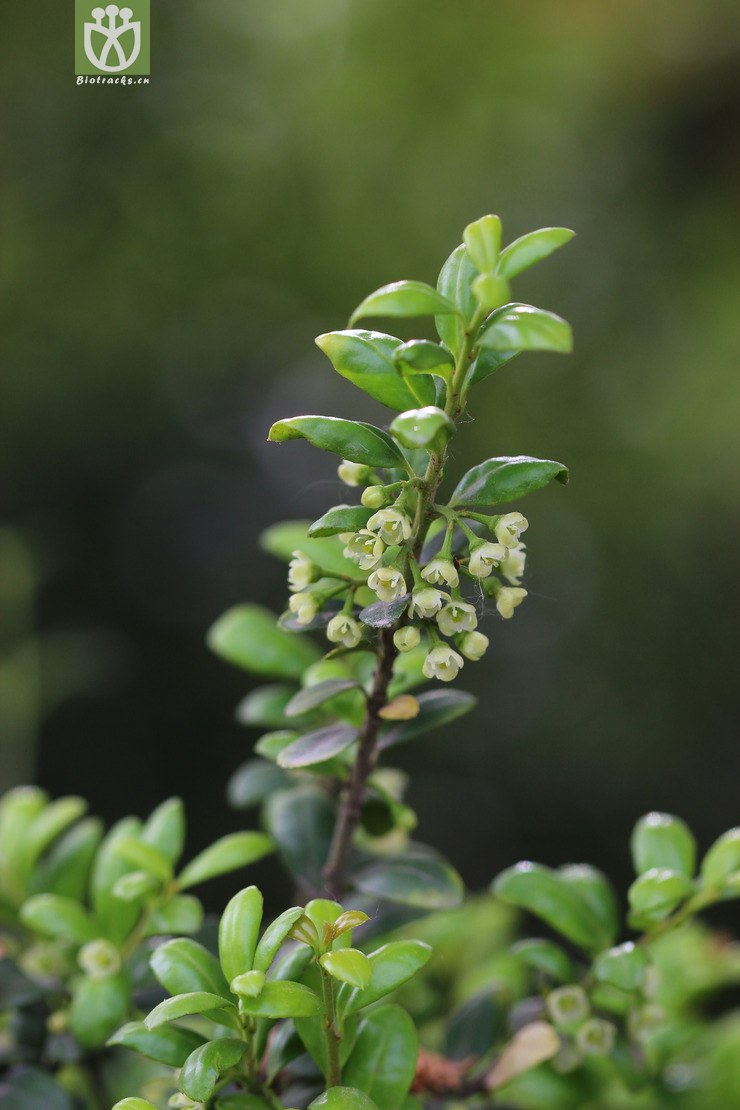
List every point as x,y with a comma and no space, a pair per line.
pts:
443,663
441,572
474,646
457,616
344,629
568,1006
43,962
365,548
99,959
392,526
300,572
426,602
374,497
407,638
596,1037
304,607
509,528
485,557
388,583
353,474
512,567
507,599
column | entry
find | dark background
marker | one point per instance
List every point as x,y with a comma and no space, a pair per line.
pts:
170,252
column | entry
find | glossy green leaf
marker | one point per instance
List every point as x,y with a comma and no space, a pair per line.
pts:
326,551
546,894
522,327
50,823
238,932
623,967
483,241
313,696
350,439
487,362
416,877
136,885
342,518
383,1061
227,854
205,1066
248,636
165,829
404,298
383,614
366,359
99,1007
183,1005
170,1044
183,966
427,427
343,1098
546,957
318,746
722,860
144,857
661,840
29,1088
391,966
55,916
253,781
655,894
181,914
242,1102
508,478
274,936
475,1026
436,708
532,248
283,1000
420,356
302,823
272,743
455,283
66,867
349,966
116,916
265,706
596,890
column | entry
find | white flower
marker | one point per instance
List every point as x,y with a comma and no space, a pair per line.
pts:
442,663
99,959
474,645
406,638
457,616
365,548
388,583
304,606
344,629
352,474
440,571
509,528
508,598
427,601
512,567
484,557
300,571
392,526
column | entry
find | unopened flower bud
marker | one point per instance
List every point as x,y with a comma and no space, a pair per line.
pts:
344,629
443,663
374,497
388,583
407,638
568,1006
99,959
512,567
365,548
392,526
509,528
457,616
426,602
304,607
300,571
596,1037
507,599
353,474
484,557
474,646
441,572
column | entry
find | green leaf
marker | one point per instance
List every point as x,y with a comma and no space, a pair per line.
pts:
136,885
655,894
522,327
391,966
302,824
436,708
133,1103
117,917
326,551
170,1044
595,889
455,282
343,1098
383,1061
265,706
181,914
272,743
420,356
318,746
366,359
661,840
227,854
55,916
623,967
283,1000
487,362
416,877
383,614
546,957
722,859
508,478
248,636
350,439
475,1026
342,518
404,298
165,829
32,1089
312,696
51,822
205,1066
349,966
273,937
242,1102
428,427
483,241
183,966
183,1005
238,932
145,857
531,248
550,897
252,782
99,1006
66,867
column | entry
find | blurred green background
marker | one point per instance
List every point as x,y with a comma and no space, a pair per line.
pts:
169,254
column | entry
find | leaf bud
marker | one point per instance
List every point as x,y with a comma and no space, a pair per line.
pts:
491,291
249,984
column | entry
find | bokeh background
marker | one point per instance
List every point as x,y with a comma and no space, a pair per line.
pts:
170,252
